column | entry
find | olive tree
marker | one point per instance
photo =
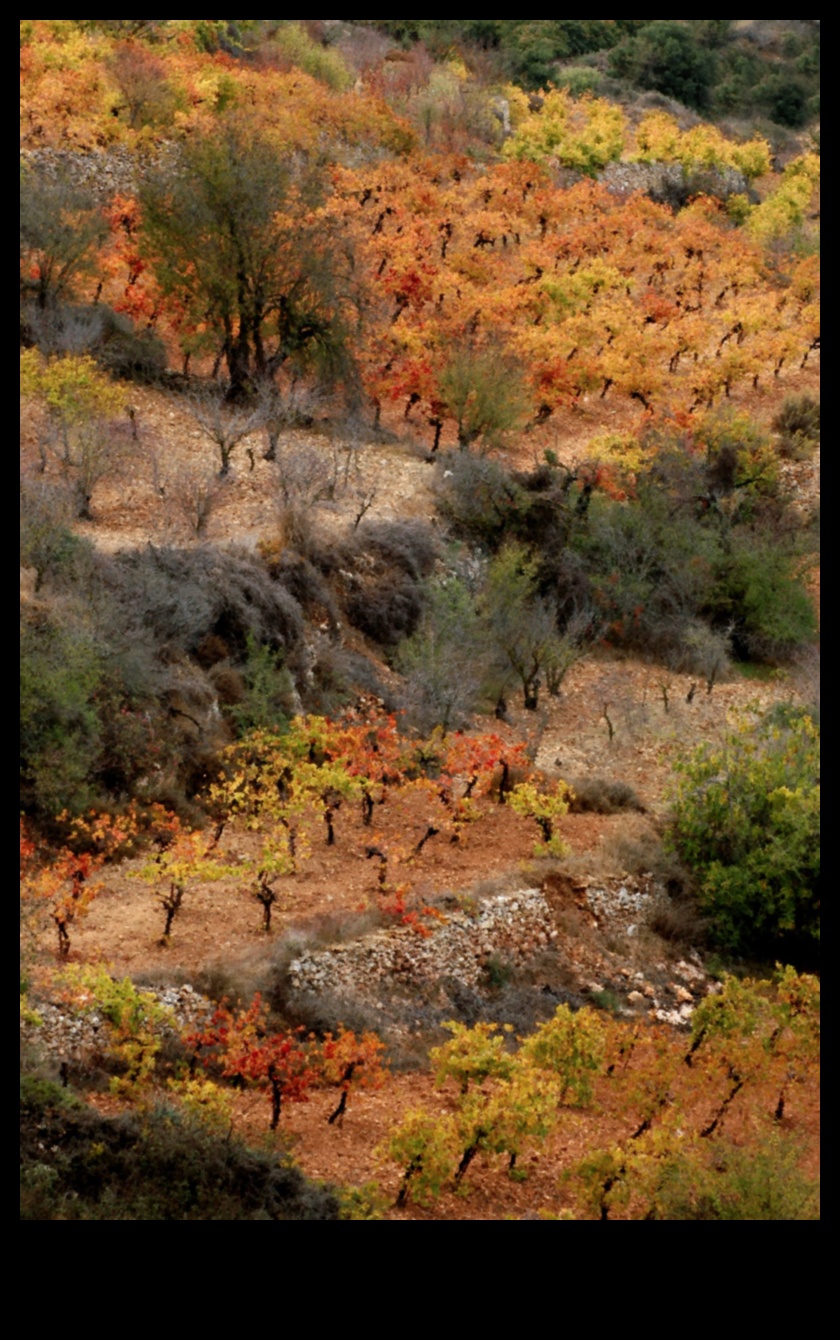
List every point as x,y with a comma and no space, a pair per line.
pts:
238,247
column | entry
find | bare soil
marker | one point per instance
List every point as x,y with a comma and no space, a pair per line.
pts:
218,929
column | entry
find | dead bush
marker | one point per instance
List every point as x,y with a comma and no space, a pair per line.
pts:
598,795
408,545
382,567
327,1012
228,684
337,676
211,650
182,595
193,491
799,417
642,853
678,920
306,585
385,610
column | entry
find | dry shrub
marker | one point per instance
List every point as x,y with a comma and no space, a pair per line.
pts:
229,685
598,795
641,852
678,920
193,491
800,416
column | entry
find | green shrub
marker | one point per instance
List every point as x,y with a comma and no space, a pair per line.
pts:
578,79
60,731
665,56
746,822
47,543
77,1164
267,689
800,414
759,589
719,1180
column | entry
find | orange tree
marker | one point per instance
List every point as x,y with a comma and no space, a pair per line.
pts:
65,878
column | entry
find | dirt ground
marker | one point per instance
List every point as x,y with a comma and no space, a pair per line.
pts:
220,921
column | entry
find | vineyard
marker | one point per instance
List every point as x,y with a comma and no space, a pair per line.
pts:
419,624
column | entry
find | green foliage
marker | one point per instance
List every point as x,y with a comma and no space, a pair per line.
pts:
666,1176
725,1181
60,731
781,214
362,1202
297,46
472,1056
521,628
584,135
427,1148
746,821
571,1047
81,404
703,559
228,235
269,689
133,1020
546,807
605,1000
665,56
441,660
484,392
506,1102
61,225
758,585
578,79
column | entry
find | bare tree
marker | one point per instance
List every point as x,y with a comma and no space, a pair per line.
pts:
224,423
193,490
283,408
87,452
572,645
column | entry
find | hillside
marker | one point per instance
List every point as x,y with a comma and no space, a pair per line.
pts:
419,524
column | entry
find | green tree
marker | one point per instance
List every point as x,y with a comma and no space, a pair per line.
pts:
441,660
521,626
238,249
60,227
484,392
60,732
746,821
571,1046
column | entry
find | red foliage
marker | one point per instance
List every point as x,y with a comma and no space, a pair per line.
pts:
241,1048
